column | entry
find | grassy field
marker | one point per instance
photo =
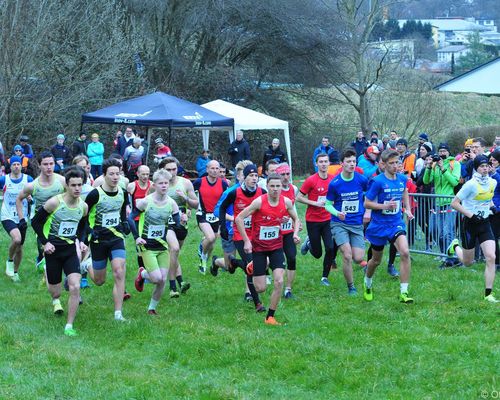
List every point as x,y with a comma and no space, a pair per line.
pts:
210,344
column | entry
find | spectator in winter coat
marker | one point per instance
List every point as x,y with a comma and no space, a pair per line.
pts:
239,149
27,149
202,161
95,153
423,151
393,139
406,157
368,161
326,148
423,138
62,154
80,145
360,144
125,141
274,153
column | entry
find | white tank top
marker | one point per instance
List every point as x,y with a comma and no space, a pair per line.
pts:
11,190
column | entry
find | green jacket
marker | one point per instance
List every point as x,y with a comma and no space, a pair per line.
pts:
444,182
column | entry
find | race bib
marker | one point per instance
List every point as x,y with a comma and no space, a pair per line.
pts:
482,209
67,229
269,232
286,226
247,222
156,231
211,218
110,219
392,212
350,206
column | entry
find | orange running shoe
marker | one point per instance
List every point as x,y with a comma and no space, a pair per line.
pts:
249,268
271,321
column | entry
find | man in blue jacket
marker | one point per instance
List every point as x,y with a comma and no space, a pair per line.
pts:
326,148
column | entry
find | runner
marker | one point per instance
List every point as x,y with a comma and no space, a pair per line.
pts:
474,201
241,198
12,184
47,185
386,195
181,191
268,212
108,222
313,193
209,189
290,191
138,190
150,234
345,202
60,226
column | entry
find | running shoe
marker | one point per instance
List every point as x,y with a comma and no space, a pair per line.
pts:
392,271
152,312
202,270
363,264
84,265
324,281
70,332
84,283
126,296
260,308
40,265
200,249
249,268
174,294
404,298
9,269
214,269
491,298
352,291
58,310
248,297
121,318
185,287
367,293
80,300
233,264
16,278
268,279
305,247
271,321
288,294
451,248
139,280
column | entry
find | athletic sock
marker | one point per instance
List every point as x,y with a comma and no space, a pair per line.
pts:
288,289
144,274
152,304
270,313
487,292
404,287
172,285
204,257
368,282
350,285
118,314
179,279
68,326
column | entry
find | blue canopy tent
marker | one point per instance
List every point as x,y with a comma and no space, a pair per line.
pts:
159,110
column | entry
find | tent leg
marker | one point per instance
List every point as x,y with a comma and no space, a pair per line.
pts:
148,136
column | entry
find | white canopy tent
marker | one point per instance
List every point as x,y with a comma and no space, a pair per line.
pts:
246,119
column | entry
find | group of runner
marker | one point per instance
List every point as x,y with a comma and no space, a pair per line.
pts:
81,224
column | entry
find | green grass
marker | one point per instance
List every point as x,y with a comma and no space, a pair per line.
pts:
210,344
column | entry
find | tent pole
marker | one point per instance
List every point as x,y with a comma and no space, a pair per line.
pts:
169,137
148,138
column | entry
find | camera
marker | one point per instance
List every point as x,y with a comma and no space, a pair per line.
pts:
436,158
467,150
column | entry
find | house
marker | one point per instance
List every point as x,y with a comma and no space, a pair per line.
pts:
446,54
483,79
450,31
394,51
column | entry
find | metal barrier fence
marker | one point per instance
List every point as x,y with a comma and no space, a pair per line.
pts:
435,224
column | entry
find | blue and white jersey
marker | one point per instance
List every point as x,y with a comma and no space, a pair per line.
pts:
347,197
383,190
11,189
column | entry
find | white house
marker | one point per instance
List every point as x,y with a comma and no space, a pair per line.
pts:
483,79
446,54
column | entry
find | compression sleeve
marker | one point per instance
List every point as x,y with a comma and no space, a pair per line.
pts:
330,208
37,224
131,223
177,219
